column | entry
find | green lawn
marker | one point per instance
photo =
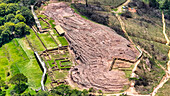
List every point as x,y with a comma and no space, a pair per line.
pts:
35,41
18,62
63,41
63,63
24,44
52,23
42,16
47,40
17,57
60,39
61,75
66,63
44,25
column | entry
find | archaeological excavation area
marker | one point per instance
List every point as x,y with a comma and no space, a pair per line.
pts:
101,55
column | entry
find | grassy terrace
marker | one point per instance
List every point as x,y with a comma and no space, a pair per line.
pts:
18,57
47,40
44,25
17,60
37,45
51,21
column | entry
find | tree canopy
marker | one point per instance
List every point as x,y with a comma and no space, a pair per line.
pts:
18,79
12,14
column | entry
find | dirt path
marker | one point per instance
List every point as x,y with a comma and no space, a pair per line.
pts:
164,28
167,76
131,90
123,28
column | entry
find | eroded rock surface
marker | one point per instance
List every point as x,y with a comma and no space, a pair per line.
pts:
94,46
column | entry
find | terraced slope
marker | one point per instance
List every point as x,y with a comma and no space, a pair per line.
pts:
95,46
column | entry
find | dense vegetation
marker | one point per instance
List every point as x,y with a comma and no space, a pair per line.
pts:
64,90
163,5
14,20
113,3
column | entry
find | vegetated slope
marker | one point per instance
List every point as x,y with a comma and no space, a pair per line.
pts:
145,28
164,91
113,3
95,46
14,59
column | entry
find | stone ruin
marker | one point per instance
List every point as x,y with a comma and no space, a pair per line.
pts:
94,46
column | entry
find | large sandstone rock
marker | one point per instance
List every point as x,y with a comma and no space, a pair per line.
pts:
94,46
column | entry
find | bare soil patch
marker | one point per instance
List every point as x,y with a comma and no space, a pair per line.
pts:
95,46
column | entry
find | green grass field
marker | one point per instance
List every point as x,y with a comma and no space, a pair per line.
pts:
52,23
61,75
18,57
47,40
35,41
42,16
17,61
44,25
63,41
59,39
55,36
63,63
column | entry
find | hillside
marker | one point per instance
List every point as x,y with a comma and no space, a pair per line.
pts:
88,41
84,47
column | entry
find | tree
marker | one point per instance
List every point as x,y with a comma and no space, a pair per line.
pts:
27,14
100,92
11,1
5,35
2,21
9,17
10,26
18,79
153,3
86,3
1,29
85,92
20,18
21,29
0,41
2,9
42,93
2,83
12,8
